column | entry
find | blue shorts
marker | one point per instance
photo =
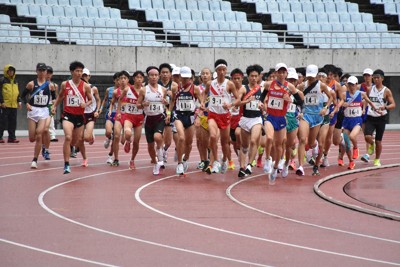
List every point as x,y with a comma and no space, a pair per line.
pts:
187,118
350,123
313,119
112,118
278,122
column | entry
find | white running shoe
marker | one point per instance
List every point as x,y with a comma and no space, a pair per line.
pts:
110,160
185,165
325,162
34,165
224,166
280,164
165,155
268,165
309,157
180,169
272,177
216,167
300,171
156,169
107,143
285,171
315,151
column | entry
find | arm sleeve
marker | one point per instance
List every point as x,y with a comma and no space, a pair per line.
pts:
263,95
298,99
24,94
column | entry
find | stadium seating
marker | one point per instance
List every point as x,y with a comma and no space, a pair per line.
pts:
16,34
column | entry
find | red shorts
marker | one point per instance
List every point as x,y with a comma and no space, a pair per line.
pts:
235,121
136,120
223,120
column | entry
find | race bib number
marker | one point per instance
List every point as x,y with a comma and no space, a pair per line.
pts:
186,105
275,103
311,100
73,101
216,101
156,107
40,100
351,112
252,105
132,109
291,108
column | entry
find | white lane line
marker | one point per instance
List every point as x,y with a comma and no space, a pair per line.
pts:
138,198
230,195
44,206
55,253
322,195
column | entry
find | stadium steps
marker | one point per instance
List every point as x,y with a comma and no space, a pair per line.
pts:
265,20
34,31
378,14
140,17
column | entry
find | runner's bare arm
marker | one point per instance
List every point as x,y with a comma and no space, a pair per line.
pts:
389,98
88,94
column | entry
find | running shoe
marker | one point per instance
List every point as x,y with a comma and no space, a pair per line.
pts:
248,169
352,164
54,139
365,158
216,167
315,171
231,165
127,146
34,165
292,165
242,173
180,169
107,143
355,153
371,149
46,154
300,171
115,163
377,163
309,157
110,160
43,149
268,165
67,169
165,155
259,161
206,165
132,165
156,169
285,171
315,151
208,169
14,141
200,166
272,177
325,162
185,165
84,163
340,162
224,166
281,164
73,152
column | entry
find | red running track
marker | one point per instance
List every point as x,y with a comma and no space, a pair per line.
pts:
112,216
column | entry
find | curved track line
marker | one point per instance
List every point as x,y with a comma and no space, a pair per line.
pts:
229,194
137,197
44,206
350,206
55,253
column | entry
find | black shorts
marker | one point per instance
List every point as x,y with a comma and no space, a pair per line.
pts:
152,125
89,117
377,124
76,120
340,117
187,118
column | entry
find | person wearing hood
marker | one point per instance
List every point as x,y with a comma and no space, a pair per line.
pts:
10,101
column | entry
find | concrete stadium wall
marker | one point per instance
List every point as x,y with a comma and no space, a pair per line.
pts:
103,60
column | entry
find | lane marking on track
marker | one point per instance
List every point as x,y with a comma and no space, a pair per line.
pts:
55,253
138,198
322,195
44,206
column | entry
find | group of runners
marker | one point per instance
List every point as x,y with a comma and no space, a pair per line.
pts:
287,114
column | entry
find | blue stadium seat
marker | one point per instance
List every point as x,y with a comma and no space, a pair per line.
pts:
180,4
326,27
359,27
111,23
380,27
255,26
355,17
337,27
318,7
213,25
41,21
185,15
58,11
87,3
46,11
341,7
168,25
366,18
191,25
348,27
75,2
81,12
162,14
28,2
311,18
93,13
134,4
158,4
330,7
203,5
344,17
352,8
115,13
292,28
245,26
315,27
287,18
132,24
219,16
88,22
40,2
322,17
299,17
151,14
272,7
70,11
4,20
370,27
334,18
276,18
197,15
53,23
224,26
52,2
145,5
283,6
104,12
208,16
77,22
180,25
295,7
230,16
34,11
191,5
63,2
214,5
174,14
202,26
169,5
261,7
241,16
225,6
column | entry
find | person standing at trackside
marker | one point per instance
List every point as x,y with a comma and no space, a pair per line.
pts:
383,100
52,129
10,101
74,94
37,96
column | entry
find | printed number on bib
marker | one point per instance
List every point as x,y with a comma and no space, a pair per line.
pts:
353,112
40,100
216,101
73,101
275,103
291,108
132,109
156,107
185,105
252,105
311,100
